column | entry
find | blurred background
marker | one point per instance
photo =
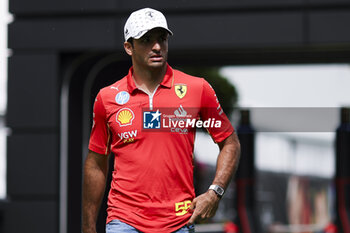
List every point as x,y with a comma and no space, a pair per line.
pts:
281,72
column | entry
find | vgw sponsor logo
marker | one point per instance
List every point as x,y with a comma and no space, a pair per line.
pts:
128,136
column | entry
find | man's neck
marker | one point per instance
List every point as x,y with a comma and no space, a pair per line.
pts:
147,79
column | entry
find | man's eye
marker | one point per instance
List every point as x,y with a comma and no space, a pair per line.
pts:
145,40
163,38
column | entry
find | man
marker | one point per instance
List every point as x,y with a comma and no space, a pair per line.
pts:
152,186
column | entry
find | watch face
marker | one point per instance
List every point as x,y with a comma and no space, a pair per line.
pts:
220,190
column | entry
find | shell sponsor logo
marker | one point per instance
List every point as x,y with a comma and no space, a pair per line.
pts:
125,116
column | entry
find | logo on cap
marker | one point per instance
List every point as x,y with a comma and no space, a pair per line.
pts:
150,14
125,116
180,90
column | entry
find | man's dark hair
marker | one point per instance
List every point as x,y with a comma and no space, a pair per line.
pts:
131,41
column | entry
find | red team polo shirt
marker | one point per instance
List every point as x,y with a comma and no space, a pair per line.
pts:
152,186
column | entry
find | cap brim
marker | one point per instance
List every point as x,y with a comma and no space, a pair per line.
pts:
141,34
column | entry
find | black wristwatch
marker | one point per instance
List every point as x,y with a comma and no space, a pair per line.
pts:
217,189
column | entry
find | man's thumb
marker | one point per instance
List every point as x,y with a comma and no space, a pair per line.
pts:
193,204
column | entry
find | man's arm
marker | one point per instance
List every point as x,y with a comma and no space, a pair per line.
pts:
94,184
205,205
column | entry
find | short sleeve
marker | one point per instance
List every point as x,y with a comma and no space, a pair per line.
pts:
211,110
100,133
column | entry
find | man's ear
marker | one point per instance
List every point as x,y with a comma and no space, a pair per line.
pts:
128,48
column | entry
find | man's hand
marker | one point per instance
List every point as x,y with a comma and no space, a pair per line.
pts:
204,207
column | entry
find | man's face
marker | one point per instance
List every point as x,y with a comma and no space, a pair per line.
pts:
151,50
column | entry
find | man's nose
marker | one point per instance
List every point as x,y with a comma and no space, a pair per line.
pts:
156,46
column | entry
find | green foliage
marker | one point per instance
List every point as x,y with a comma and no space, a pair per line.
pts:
225,91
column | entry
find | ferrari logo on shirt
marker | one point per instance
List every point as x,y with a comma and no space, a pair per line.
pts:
180,90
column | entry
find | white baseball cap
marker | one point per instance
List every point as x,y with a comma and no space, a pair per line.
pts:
143,20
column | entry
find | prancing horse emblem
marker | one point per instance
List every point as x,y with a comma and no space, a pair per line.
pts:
150,15
180,90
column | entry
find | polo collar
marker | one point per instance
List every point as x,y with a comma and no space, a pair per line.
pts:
167,82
